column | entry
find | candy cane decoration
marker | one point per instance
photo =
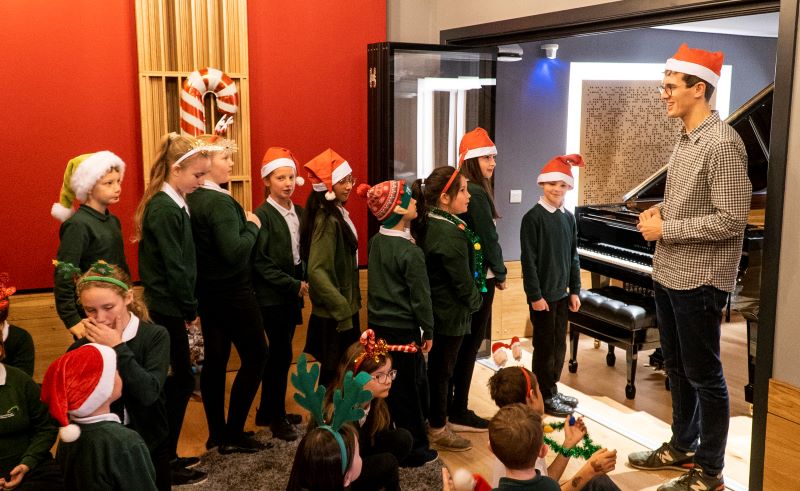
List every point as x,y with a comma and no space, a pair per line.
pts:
378,348
200,83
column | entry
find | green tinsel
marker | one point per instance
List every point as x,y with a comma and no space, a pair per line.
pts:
584,450
477,257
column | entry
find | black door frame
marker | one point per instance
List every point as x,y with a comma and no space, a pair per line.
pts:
630,14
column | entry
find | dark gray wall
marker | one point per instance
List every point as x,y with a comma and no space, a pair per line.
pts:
532,95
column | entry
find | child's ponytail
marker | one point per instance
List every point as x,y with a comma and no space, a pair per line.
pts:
419,226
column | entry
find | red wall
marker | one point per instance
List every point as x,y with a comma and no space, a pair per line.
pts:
70,78
308,84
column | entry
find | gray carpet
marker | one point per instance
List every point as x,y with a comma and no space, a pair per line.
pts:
269,470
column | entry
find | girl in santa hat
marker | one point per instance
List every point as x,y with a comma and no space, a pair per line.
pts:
278,279
329,245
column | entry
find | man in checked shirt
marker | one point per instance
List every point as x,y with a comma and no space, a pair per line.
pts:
699,228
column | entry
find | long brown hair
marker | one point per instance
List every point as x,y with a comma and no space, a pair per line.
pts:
173,147
137,305
316,204
471,169
317,463
427,192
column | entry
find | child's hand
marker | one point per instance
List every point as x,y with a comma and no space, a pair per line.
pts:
574,303
78,330
251,217
102,334
303,289
540,305
501,285
16,475
603,461
573,433
427,344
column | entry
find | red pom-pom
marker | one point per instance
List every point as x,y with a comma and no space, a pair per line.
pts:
362,190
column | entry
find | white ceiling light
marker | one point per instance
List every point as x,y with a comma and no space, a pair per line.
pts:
509,52
550,50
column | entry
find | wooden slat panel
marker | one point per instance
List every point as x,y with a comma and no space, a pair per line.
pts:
781,454
784,401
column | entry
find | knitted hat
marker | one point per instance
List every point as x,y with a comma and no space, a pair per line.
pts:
280,157
325,170
388,201
6,291
700,63
77,383
81,175
560,169
475,143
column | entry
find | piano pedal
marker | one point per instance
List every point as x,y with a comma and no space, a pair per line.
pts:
596,344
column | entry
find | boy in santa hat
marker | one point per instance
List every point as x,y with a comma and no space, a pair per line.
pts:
90,233
698,229
96,451
551,277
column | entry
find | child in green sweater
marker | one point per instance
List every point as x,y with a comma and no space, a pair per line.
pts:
92,232
278,278
19,349
329,245
168,267
551,277
95,452
399,306
453,259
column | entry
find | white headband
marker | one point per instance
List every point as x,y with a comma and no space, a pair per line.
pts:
196,150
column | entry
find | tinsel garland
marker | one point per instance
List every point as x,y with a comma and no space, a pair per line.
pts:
584,450
477,257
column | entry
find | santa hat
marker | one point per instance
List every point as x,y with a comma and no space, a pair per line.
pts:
81,175
6,291
499,355
388,201
280,157
560,169
325,170
475,143
704,64
463,480
78,383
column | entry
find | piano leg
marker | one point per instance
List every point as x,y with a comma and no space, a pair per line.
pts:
631,355
611,358
573,350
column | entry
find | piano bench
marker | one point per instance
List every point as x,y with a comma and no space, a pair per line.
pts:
620,318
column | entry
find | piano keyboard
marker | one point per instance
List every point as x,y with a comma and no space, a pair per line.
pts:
617,261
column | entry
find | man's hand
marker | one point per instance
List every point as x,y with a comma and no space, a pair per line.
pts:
649,213
540,305
651,228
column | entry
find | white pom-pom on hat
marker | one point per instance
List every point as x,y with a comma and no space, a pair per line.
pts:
299,180
463,480
69,433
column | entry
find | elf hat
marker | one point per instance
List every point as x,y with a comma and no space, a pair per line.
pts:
6,291
81,175
280,157
325,170
560,169
475,143
704,64
388,201
78,383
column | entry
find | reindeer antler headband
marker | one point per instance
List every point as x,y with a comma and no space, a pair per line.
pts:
6,290
376,349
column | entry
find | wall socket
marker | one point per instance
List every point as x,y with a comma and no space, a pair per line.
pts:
515,196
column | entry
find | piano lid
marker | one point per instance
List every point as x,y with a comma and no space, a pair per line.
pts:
752,121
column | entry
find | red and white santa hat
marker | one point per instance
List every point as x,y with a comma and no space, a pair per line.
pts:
77,383
325,170
475,143
704,64
560,169
280,157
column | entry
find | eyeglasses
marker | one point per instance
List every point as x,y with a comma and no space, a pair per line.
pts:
668,88
385,377
348,180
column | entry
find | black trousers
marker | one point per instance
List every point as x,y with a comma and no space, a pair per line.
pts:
161,458
441,363
230,317
465,364
549,344
408,400
279,324
180,380
327,345
380,467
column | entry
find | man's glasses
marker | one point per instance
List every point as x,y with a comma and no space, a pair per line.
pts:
668,88
385,377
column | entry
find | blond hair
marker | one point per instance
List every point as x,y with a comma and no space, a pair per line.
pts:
137,305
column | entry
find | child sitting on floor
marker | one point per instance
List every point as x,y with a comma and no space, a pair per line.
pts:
19,349
514,385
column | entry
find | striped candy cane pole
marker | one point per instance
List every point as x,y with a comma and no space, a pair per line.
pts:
200,83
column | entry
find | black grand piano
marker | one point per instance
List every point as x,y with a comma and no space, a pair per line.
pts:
610,245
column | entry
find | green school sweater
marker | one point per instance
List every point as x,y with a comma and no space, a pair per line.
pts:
549,254
223,238
106,456
332,274
85,237
26,430
167,264
399,295
143,363
448,256
273,263
537,483
20,351
480,220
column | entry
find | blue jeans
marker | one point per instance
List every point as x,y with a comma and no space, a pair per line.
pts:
689,325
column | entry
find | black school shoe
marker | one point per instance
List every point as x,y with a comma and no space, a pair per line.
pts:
568,400
243,444
554,407
185,462
180,477
468,422
284,430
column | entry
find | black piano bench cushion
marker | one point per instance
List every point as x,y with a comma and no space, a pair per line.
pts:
619,307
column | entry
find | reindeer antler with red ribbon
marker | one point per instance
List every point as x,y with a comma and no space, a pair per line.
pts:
6,290
377,348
